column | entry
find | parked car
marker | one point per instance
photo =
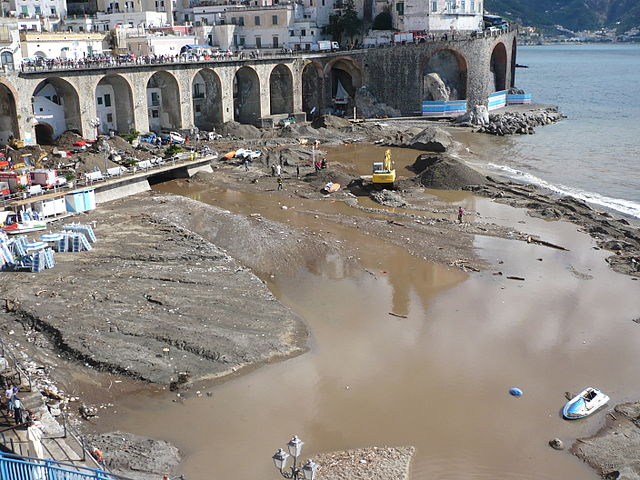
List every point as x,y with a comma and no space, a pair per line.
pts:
172,137
148,138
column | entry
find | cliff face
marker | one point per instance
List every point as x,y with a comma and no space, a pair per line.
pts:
571,14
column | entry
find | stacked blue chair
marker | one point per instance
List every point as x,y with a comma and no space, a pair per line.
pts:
86,230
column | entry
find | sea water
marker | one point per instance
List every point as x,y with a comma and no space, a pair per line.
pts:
594,154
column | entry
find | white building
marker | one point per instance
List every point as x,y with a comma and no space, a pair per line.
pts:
158,44
10,54
66,45
154,102
106,108
147,19
48,108
437,15
55,9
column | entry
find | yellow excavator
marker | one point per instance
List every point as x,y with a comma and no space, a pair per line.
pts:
384,173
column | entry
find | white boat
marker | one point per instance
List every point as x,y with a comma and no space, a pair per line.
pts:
24,222
584,404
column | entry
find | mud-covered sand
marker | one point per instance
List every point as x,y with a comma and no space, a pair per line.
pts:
172,291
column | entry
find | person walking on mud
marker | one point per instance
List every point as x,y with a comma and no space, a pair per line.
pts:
280,183
246,164
298,171
460,214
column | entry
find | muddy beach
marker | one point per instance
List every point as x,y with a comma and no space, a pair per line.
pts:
227,273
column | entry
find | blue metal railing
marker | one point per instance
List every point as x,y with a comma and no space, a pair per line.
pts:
27,468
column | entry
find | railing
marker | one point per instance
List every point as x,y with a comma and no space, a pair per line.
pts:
225,57
28,468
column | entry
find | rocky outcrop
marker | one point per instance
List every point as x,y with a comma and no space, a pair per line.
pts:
135,456
524,123
430,139
436,87
477,116
368,106
445,173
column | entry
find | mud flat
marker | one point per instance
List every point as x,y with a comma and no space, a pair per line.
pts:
153,299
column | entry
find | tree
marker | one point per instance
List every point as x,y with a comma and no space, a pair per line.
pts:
382,21
344,24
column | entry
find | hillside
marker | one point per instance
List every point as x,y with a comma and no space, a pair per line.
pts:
572,14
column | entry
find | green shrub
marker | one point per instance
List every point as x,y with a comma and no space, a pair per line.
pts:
172,150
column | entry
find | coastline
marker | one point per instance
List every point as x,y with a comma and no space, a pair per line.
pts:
424,237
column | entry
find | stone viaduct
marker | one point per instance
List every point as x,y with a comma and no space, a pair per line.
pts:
254,91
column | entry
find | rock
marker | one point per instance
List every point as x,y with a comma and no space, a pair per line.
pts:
444,172
556,443
368,106
436,87
431,139
330,121
478,115
135,456
389,198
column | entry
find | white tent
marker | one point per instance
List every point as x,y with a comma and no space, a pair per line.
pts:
342,97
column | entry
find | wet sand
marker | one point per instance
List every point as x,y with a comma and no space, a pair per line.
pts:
437,380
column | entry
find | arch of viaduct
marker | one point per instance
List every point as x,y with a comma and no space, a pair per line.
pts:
204,94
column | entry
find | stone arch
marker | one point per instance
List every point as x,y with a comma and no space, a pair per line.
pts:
312,89
8,114
206,95
451,66
345,76
114,104
163,102
39,54
498,67
56,102
514,56
281,90
246,96
44,133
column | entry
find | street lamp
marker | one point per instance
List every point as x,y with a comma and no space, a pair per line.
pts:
280,458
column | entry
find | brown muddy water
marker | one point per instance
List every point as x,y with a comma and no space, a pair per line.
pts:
438,379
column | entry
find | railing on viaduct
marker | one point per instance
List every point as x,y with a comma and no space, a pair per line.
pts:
26,468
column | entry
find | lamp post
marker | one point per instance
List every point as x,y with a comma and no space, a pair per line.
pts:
308,470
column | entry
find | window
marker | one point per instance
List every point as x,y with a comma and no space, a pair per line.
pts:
242,40
292,33
258,42
107,100
198,108
99,100
275,42
38,11
303,33
400,8
257,20
241,21
274,19
463,6
155,99
450,4
154,114
472,3
233,20
323,3
53,11
109,117
198,91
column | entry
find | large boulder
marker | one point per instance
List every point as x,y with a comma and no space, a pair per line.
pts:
389,198
437,88
431,139
445,173
477,116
